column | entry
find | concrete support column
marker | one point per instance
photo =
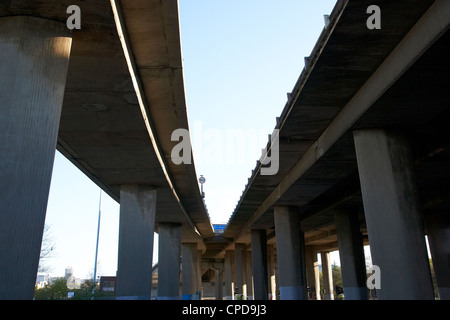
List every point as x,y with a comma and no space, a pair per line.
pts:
229,286
169,253
199,274
317,277
351,255
240,269
290,251
249,273
218,274
438,226
34,55
189,271
394,223
327,276
272,289
136,234
311,262
259,264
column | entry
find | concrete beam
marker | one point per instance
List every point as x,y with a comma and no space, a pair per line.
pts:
35,57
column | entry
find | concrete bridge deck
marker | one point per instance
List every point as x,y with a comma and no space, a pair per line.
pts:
363,154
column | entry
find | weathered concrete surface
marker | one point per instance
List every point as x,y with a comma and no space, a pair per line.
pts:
291,254
351,255
136,233
169,261
189,270
35,56
259,264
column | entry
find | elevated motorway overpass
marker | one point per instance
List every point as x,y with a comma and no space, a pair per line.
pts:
108,96
363,154
363,158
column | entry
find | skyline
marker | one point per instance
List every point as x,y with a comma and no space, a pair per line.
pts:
239,61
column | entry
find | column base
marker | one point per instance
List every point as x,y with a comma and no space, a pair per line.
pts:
355,293
292,293
133,298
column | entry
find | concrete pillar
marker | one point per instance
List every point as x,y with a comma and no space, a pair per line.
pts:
34,55
218,274
317,277
136,234
271,272
327,275
169,253
240,269
438,226
249,273
290,251
311,262
199,274
229,275
259,264
394,223
351,255
189,271
276,292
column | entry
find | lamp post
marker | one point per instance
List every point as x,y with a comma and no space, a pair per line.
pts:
202,181
96,246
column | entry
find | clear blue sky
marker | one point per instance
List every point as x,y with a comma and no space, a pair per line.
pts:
240,59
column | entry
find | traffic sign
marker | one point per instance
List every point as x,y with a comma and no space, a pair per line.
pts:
202,179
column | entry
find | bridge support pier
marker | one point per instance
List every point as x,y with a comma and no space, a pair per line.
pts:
34,55
291,253
199,274
351,254
228,275
312,272
259,264
169,261
272,272
249,273
219,284
394,223
327,276
240,267
189,271
136,233
438,227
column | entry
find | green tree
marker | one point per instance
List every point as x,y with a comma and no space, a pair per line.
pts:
57,290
